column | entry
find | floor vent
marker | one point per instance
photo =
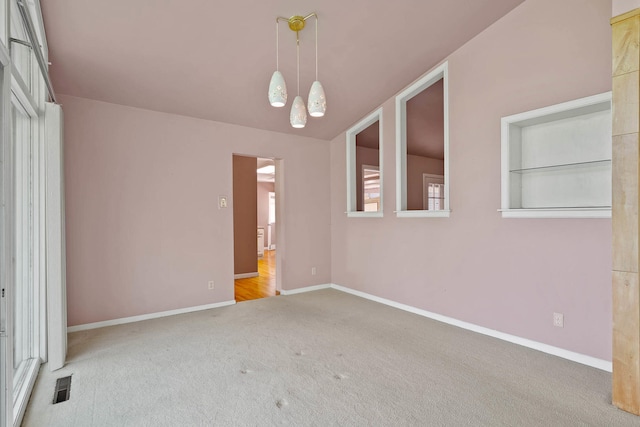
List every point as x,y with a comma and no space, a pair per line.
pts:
63,388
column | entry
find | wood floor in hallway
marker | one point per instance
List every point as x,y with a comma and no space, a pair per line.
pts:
262,286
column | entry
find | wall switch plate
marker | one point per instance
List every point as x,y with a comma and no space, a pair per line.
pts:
313,271
211,285
222,202
558,320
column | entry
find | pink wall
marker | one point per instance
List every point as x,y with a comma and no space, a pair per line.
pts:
505,274
144,233
622,6
263,206
245,215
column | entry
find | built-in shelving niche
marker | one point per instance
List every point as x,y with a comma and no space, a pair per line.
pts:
556,161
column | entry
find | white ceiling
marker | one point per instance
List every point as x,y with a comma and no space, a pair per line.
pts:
213,59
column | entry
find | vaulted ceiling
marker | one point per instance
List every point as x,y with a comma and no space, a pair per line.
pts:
213,59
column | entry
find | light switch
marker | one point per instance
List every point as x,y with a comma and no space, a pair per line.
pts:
222,202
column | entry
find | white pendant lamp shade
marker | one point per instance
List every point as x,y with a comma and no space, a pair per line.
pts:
277,90
298,113
317,104
317,101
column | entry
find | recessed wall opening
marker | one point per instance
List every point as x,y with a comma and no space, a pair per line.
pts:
255,227
364,171
423,146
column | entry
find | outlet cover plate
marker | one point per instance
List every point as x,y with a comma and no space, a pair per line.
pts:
558,320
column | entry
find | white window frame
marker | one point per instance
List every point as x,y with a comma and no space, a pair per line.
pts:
14,400
352,195
435,75
27,247
7,231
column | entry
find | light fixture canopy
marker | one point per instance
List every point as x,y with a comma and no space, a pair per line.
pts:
317,104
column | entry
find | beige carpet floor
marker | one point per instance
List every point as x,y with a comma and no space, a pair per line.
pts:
319,359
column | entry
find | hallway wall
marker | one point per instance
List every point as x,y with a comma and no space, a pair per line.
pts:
245,210
143,229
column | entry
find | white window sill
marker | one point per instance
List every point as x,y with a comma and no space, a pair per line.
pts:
557,213
360,214
423,214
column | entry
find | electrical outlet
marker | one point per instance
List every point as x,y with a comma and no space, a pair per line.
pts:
313,271
558,320
211,285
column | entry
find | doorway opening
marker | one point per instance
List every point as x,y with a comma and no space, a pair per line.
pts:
255,228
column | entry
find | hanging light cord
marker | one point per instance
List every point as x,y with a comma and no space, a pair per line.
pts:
277,46
298,58
316,47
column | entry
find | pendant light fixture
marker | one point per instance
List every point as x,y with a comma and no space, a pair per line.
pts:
317,104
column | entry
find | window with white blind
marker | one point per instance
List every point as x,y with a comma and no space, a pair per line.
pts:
433,192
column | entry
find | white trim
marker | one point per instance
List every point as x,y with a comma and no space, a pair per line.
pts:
4,55
245,275
424,214
545,348
281,217
55,253
564,108
7,235
22,93
21,400
360,214
557,213
375,116
440,72
149,316
305,289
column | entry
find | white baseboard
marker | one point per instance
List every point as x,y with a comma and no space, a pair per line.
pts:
141,317
305,289
545,348
245,275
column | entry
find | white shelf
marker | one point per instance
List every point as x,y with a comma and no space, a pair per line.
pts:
442,213
557,213
564,166
556,161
